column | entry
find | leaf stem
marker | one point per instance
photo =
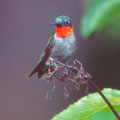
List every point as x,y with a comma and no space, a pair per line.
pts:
88,78
105,99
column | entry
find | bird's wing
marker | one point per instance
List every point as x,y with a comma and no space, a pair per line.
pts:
44,56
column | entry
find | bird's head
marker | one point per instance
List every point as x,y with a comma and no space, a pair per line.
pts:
63,26
62,21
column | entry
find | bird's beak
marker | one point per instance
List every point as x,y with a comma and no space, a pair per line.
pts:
53,23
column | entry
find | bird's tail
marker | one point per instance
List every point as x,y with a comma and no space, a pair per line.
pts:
40,69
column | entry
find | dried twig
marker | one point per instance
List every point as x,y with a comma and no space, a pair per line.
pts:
79,74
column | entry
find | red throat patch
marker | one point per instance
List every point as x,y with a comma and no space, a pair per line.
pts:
63,31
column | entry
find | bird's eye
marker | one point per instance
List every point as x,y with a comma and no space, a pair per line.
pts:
68,22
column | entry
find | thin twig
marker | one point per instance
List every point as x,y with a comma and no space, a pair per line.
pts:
105,99
87,77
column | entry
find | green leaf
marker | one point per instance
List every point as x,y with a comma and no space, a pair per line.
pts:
92,107
98,17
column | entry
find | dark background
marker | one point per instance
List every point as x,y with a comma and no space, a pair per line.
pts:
24,32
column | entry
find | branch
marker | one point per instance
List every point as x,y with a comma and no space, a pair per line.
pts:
87,78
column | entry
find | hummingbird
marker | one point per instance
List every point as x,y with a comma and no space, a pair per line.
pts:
61,45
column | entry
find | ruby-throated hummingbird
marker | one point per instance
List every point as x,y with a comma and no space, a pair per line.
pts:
60,46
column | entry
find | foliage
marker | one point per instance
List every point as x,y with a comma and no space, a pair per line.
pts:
92,107
100,15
